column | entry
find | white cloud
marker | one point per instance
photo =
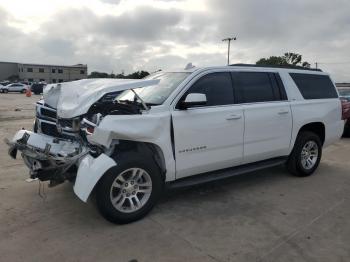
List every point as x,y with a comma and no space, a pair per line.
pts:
115,35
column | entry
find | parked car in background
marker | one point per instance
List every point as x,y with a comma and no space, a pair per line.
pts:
5,83
3,89
344,94
37,88
17,87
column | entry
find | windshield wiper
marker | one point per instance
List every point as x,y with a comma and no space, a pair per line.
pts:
139,98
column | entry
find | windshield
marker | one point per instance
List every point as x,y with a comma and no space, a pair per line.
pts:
157,94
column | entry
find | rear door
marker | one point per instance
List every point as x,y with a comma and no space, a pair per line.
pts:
268,117
209,137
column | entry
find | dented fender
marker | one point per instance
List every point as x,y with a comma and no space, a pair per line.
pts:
89,173
147,128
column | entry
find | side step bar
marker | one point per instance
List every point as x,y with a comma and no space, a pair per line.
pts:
225,173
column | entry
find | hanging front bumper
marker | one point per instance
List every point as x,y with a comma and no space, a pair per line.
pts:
47,158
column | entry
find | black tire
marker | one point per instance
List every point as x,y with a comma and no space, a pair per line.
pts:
103,199
347,129
294,163
35,126
23,91
6,91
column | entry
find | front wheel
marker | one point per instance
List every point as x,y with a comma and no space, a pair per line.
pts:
306,155
128,191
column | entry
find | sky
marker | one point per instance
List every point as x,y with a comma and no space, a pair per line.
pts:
128,35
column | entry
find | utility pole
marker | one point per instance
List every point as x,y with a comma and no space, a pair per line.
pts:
229,39
316,65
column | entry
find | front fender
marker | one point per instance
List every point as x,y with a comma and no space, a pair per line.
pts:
89,173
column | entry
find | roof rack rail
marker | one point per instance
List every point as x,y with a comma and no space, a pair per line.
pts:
279,66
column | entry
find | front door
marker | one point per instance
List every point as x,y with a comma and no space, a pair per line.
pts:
209,137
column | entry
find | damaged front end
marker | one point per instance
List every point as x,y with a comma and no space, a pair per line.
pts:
76,131
48,158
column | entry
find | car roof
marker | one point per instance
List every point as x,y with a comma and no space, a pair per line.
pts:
254,68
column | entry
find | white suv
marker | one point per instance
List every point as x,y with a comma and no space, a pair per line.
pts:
127,139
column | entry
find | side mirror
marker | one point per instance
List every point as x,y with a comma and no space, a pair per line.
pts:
194,99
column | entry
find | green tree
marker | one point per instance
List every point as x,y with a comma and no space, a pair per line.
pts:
13,78
287,59
135,75
96,74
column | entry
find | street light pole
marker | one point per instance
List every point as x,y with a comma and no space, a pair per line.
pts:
229,39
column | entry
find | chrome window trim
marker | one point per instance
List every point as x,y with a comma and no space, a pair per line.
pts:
195,78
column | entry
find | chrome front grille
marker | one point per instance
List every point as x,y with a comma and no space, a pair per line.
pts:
50,113
49,124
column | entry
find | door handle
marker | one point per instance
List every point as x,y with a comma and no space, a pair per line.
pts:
283,112
233,117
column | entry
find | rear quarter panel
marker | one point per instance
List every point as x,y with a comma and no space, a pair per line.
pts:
326,111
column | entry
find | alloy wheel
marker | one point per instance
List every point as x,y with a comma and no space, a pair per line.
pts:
131,190
309,155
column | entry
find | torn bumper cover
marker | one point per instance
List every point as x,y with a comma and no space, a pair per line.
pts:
47,158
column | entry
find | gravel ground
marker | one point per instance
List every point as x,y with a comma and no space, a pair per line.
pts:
262,216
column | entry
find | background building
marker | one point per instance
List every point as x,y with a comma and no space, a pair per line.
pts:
8,70
41,72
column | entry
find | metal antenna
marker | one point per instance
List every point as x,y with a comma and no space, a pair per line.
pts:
229,39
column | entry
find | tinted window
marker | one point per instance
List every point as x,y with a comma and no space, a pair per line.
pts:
216,86
314,86
255,87
29,70
41,70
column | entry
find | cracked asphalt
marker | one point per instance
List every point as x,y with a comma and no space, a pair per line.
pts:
262,216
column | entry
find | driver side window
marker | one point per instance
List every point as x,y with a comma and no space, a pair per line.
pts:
216,86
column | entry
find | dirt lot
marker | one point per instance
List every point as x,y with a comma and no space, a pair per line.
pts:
262,216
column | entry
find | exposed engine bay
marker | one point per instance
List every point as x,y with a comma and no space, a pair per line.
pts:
53,151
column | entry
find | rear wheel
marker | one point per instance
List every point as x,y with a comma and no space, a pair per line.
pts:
306,155
23,91
128,191
347,129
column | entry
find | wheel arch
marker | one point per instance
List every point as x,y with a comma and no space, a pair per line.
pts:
150,150
98,168
316,127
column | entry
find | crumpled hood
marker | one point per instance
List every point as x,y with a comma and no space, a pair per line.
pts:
73,99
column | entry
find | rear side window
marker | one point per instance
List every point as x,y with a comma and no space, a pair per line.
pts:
314,86
216,86
255,87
